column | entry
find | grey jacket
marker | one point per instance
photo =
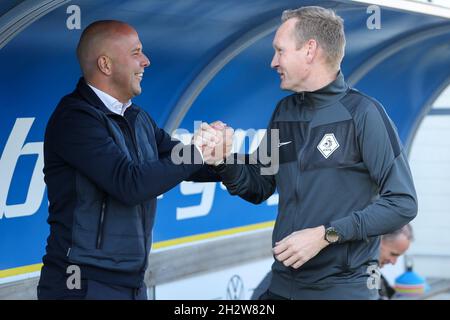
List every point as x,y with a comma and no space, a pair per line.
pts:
341,164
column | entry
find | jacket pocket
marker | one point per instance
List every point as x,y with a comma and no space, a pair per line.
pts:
101,225
347,256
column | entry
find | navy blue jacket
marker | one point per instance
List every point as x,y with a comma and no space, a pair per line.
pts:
103,173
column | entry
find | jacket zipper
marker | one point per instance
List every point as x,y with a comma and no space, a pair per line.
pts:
101,226
297,189
141,208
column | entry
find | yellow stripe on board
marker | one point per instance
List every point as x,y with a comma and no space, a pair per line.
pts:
209,235
20,270
157,245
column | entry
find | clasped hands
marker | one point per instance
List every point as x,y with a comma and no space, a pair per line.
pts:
215,141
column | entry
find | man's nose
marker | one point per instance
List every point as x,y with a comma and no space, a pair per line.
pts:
146,61
274,62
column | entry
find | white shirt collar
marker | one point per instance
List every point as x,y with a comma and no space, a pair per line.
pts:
110,102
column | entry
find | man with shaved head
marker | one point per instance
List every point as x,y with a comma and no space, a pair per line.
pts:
107,46
105,162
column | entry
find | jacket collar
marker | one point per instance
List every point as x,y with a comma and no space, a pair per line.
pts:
91,97
325,96
110,102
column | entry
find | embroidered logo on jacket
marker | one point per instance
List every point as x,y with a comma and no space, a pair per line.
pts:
283,143
328,145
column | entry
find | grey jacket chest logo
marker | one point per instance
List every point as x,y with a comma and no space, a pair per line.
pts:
328,145
283,143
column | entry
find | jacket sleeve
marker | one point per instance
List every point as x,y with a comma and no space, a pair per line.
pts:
388,167
248,176
80,137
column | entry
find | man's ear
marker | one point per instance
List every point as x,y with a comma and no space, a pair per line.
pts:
311,50
104,64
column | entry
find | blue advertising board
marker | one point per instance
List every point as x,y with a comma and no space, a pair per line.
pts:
38,67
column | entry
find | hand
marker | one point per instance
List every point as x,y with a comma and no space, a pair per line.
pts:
215,142
205,136
300,246
222,149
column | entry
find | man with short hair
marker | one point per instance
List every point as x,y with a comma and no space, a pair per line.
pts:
106,161
393,245
343,177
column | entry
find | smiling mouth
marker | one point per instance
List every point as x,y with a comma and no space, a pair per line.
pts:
140,75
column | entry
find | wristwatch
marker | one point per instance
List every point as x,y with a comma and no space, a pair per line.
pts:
331,234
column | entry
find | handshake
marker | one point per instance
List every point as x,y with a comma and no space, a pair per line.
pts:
214,141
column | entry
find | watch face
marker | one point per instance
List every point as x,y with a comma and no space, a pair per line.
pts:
331,235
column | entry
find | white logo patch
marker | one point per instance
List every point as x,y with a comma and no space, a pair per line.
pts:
328,145
283,143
